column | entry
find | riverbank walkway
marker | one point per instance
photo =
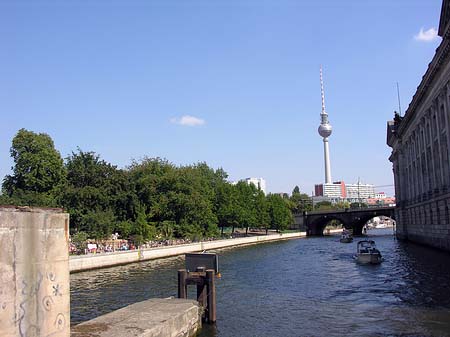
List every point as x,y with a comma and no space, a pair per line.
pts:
79,263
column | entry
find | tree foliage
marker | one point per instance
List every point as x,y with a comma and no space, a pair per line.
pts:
300,202
38,171
150,199
279,212
323,206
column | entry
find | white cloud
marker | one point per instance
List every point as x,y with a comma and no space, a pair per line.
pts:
427,35
187,120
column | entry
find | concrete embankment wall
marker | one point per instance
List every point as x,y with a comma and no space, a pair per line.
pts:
86,262
151,318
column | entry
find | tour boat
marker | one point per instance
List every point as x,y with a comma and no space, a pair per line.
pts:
367,253
346,237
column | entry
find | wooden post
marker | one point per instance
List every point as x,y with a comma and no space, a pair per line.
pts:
201,295
201,289
210,274
182,285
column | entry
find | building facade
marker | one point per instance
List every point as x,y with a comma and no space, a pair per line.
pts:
360,191
420,143
260,183
342,191
380,202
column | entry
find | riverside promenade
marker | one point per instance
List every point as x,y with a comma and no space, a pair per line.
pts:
103,260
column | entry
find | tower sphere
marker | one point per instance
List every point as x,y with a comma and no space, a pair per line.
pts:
325,130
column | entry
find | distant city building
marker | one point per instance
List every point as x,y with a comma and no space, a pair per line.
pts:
259,183
383,201
284,195
331,190
380,195
348,192
420,142
317,199
360,191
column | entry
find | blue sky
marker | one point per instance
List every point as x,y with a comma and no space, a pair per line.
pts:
117,77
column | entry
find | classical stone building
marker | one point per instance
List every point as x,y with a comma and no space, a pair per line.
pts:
420,144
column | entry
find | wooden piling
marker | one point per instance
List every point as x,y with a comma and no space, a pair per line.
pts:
201,288
182,284
206,290
210,284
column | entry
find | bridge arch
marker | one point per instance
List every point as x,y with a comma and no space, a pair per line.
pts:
317,226
354,219
359,225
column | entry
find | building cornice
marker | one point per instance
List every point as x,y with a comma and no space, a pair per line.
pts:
444,20
442,53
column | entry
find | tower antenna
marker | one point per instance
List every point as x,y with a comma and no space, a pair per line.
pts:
398,97
322,92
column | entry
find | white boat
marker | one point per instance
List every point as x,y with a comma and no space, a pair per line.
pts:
367,253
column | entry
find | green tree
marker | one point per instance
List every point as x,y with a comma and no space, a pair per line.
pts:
124,228
358,205
185,196
166,229
262,211
79,239
142,229
323,206
246,205
342,205
300,202
98,224
226,206
38,171
279,211
97,192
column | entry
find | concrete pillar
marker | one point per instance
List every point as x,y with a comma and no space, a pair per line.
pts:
34,272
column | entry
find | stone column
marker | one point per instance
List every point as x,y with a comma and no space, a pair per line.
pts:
422,160
446,103
34,272
447,114
439,127
430,161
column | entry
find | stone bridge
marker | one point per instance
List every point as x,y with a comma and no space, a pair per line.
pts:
314,222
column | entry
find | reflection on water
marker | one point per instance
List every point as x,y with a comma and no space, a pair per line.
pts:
309,287
94,293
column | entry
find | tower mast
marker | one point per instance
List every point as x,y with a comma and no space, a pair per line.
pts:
325,130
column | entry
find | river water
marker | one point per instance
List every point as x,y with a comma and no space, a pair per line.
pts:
304,287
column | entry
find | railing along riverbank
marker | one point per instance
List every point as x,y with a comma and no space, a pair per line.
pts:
96,261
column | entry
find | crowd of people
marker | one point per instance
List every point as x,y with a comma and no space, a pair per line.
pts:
114,245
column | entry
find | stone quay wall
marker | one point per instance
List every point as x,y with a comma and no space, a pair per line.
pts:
151,318
95,261
34,272
426,223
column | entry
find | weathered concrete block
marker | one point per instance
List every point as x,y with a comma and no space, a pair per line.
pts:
34,272
152,318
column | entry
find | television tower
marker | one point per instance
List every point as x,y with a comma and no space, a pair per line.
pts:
325,131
